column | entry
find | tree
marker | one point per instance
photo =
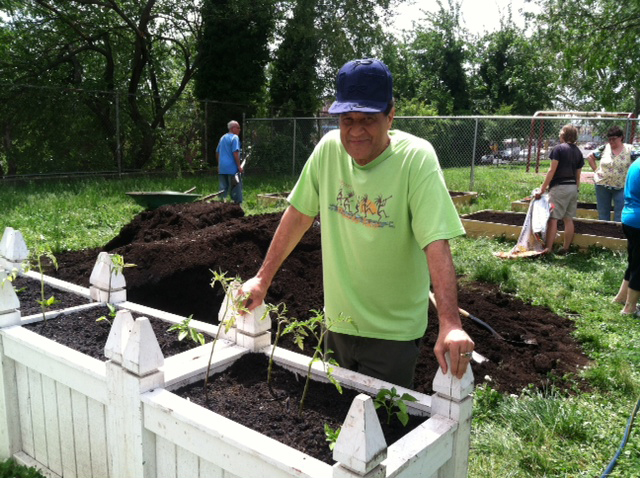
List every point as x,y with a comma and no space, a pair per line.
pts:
295,87
317,39
233,53
439,51
512,75
596,42
147,46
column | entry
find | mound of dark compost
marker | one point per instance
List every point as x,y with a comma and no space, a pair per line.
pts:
175,249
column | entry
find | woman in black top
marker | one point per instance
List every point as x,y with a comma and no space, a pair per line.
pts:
563,182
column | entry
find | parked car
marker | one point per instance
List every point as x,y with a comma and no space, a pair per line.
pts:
522,155
510,154
491,158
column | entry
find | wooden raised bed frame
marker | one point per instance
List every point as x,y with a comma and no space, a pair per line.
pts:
463,198
74,416
588,213
475,228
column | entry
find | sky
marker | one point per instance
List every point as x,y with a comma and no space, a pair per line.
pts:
478,15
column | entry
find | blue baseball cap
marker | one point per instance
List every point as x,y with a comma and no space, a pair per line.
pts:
363,86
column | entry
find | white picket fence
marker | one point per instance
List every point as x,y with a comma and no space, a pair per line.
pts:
74,416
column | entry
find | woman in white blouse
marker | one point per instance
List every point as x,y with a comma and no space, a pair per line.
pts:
610,175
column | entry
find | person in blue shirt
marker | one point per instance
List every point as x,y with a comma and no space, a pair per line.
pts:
229,166
629,292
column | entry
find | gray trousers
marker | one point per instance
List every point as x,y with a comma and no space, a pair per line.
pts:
390,360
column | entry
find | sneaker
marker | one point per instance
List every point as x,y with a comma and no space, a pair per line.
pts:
562,251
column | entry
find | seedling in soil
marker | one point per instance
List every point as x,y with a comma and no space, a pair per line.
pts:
116,267
185,330
10,278
231,289
281,319
394,404
331,435
112,314
317,328
43,250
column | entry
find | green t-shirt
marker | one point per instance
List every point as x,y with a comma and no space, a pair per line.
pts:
375,221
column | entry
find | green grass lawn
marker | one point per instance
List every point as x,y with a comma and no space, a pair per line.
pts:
536,433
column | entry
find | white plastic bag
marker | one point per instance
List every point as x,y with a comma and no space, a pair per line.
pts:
532,238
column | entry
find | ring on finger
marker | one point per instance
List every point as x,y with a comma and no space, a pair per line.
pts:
466,354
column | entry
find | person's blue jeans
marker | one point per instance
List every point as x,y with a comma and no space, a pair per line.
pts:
604,197
226,182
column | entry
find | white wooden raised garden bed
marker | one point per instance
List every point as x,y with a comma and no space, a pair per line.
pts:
74,416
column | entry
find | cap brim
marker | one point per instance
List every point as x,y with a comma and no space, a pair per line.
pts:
361,107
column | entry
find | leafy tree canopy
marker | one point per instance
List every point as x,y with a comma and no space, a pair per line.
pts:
512,75
596,43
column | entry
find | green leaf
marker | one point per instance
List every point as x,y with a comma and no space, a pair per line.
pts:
403,417
407,397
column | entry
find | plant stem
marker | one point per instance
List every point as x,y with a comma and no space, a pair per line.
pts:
42,303
306,383
273,351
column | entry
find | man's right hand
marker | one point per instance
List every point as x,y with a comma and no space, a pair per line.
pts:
255,291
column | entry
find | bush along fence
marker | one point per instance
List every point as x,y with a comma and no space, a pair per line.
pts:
75,416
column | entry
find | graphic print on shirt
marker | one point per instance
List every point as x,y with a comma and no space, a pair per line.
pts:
365,210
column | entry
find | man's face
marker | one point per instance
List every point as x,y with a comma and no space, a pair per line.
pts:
235,129
365,135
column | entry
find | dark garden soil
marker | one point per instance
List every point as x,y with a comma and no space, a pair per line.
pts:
82,332
594,228
278,416
29,293
176,247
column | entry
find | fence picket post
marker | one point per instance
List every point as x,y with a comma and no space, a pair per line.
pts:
452,399
13,250
10,441
251,330
361,447
129,374
106,284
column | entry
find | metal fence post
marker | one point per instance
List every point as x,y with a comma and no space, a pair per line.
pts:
293,160
118,146
206,132
473,158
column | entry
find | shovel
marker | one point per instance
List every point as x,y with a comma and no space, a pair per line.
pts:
486,326
238,176
210,196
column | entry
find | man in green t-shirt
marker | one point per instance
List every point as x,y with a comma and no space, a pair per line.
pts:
383,206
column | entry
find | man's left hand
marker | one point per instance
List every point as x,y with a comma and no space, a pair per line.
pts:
459,345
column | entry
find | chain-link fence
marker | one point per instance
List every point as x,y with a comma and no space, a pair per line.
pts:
52,132
48,132
283,145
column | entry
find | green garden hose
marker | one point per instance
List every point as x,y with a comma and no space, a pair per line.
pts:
612,465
